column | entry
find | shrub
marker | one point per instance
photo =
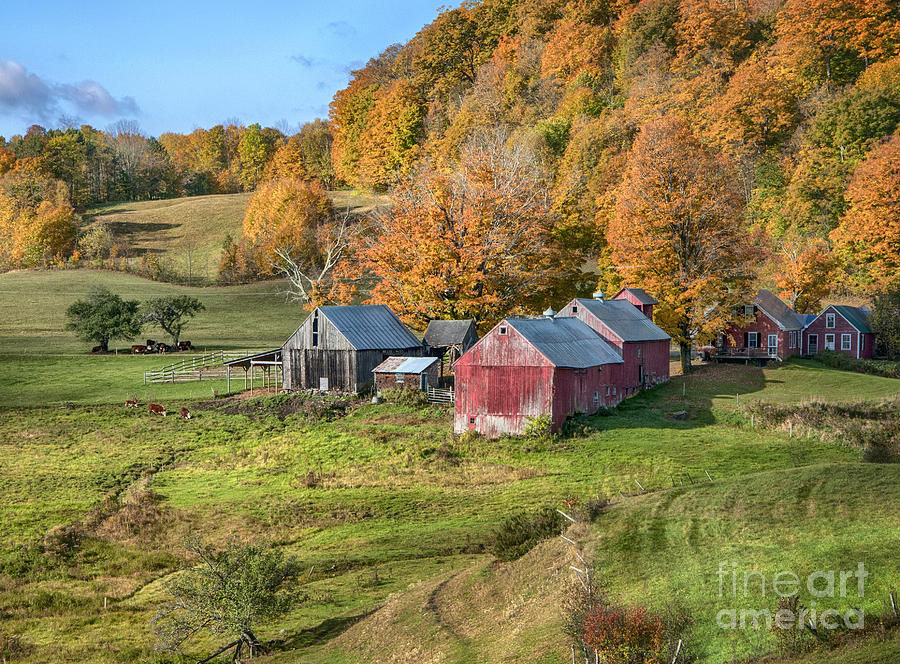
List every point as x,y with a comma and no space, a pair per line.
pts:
634,635
539,426
592,508
405,397
886,368
518,534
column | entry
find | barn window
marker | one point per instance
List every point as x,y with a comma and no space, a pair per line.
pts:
503,329
399,379
614,390
315,339
749,310
640,352
596,395
471,420
315,322
574,308
829,320
845,342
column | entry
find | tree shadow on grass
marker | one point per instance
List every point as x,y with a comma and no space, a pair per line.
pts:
320,634
685,402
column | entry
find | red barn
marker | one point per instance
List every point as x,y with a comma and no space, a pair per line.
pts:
639,298
527,367
840,328
774,333
642,345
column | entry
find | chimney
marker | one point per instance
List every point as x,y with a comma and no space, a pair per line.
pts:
549,313
598,295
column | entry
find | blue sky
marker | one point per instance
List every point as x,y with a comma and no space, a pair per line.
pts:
176,66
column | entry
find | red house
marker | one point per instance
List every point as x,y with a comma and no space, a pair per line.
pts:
774,333
840,328
527,367
642,345
639,298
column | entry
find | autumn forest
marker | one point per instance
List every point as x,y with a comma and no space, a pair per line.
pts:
533,150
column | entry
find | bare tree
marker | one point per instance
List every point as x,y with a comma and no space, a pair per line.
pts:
309,278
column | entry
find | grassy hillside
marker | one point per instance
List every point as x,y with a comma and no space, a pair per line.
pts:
189,231
384,505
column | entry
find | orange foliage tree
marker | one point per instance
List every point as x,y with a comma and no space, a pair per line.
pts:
477,242
869,232
678,232
622,635
284,215
805,271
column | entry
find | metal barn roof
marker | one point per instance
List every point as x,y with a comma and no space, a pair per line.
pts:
370,327
785,317
405,365
627,321
640,295
449,332
566,342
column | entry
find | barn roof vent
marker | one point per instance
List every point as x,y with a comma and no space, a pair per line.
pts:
549,313
598,295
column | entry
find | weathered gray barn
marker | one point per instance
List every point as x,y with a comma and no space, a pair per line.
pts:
336,348
449,339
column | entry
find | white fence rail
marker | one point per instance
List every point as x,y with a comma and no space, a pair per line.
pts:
209,366
440,396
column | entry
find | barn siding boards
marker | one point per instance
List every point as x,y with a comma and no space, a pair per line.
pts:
525,368
340,345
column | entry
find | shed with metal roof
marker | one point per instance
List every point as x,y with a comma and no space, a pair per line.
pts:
414,373
337,347
526,368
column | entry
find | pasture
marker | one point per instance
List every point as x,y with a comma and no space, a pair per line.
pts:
390,513
188,232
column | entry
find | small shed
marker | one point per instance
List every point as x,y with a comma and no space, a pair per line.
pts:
639,298
336,348
449,339
412,373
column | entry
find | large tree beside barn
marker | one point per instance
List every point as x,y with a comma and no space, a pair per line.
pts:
476,242
678,232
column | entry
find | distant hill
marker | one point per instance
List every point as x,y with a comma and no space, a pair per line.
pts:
188,232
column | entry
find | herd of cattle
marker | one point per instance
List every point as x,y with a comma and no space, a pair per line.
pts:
159,347
157,409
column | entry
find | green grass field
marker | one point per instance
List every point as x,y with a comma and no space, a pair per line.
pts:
388,509
189,232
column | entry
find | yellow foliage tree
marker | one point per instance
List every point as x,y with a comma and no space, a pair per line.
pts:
678,232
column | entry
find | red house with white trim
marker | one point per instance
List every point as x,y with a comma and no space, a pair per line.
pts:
528,367
774,333
642,345
840,328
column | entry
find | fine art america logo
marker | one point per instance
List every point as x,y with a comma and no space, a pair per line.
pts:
785,586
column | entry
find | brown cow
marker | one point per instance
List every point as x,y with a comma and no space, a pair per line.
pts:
185,413
156,408
138,349
131,403
97,349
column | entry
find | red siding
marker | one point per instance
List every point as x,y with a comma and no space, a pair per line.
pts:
502,381
841,326
646,309
734,335
654,355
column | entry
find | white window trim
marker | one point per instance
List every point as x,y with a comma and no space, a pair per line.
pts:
754,336
849,339
830,343
832,318
769,344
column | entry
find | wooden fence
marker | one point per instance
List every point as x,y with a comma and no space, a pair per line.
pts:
440,396
209,366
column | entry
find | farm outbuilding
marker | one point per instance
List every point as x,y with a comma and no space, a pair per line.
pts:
642,345
639,298
525,368
450,338
336,348
412,373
